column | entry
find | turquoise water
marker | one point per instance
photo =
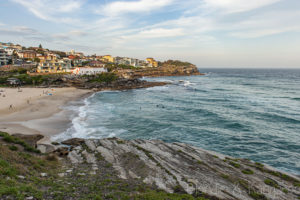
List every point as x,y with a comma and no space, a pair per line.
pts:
250,113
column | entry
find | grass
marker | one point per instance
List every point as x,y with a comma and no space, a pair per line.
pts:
13,148
247,171
14,140
271,183
234,164
225,176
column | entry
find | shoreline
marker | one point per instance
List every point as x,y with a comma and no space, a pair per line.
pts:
43,115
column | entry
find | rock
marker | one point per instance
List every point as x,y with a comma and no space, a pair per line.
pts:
29,198
21,177
29,139
177,167
69,170
61,174
81,174
45,148
44,174
62,151
73,142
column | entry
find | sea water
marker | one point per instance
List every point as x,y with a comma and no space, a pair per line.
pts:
246,113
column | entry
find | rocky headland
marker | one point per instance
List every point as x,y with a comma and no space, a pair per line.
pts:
163,70
113,168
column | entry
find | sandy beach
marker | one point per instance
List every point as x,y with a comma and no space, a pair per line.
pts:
36,110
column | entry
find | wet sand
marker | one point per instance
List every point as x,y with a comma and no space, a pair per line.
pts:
37,110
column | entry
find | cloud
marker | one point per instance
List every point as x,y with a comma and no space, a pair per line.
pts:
233,6
19,31
122,7
159,33
49,9
266,24
78,33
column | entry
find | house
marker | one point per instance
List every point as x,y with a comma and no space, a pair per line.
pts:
88,70
4,58
27,54
152,62
54,66
108,58
127,61
95,63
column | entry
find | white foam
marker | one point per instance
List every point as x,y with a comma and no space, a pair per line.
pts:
80,127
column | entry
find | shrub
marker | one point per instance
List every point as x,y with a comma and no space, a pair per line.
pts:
13,148
104,77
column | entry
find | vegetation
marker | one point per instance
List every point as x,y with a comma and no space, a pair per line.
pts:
111,67
20,178
271,183
10,139
247,171
234,164
103,77
176,63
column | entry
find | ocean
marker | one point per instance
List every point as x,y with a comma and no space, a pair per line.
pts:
245,113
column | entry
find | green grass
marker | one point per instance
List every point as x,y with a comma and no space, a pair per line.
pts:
13,148
285,190
247,171
257,196
271,183
14,140
234,164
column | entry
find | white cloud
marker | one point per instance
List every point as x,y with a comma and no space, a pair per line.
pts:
267,23
232,6
122,7
48,9
160,32
78,33
19,30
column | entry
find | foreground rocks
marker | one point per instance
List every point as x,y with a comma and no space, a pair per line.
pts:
183,168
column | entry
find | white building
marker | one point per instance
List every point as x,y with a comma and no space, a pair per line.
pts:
88,70
4,58
127,61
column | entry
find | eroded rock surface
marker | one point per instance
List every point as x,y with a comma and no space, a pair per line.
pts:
181,167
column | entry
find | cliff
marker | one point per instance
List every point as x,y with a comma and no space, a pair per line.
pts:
164,70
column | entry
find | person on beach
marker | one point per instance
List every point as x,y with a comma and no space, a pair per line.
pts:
10,106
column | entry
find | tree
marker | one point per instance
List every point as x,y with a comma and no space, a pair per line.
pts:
40,46
37,60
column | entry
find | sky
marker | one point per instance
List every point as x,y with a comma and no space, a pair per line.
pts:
208,33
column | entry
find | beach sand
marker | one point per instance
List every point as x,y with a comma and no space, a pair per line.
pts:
37,110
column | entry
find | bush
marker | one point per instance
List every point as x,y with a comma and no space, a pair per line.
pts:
13,148
104,77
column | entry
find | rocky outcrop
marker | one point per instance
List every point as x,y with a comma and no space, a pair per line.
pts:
165,70
180,167
29,139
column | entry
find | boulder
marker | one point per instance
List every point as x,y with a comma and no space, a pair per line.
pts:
73,142
45,148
